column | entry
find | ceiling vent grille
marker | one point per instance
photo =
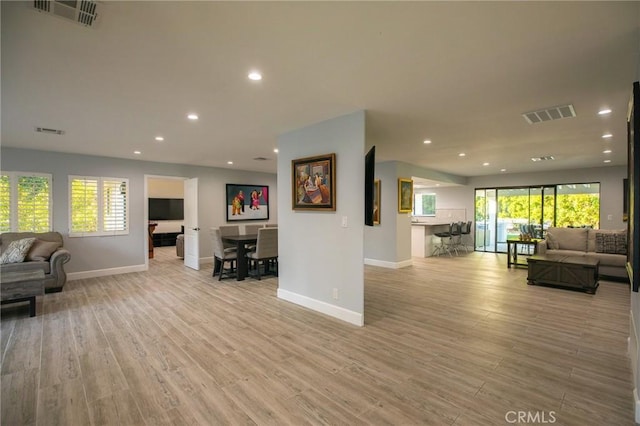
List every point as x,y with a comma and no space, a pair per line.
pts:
543,158
49,131
84,12
260,159
549,114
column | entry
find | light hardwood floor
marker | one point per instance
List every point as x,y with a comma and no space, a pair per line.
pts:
457,341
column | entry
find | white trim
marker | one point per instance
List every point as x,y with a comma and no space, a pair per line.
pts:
385,264
72,276
343,314
205,260
636,401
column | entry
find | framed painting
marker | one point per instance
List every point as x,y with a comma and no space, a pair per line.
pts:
247,202
405,195
376,202
314,183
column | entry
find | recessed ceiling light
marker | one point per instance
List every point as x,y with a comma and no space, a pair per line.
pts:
604,111
462,154
159,138
606,161
607,136
192,116
275,150
137,152
437,184
606,151
255,76
485,164
503,170
229,162
427,141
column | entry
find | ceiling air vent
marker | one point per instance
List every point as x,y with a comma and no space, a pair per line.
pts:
49,131
543,158
549,114
260,159
84,12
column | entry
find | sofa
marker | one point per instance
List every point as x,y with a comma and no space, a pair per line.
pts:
606,245
42,255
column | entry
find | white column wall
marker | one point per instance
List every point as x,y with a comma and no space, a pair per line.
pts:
317,256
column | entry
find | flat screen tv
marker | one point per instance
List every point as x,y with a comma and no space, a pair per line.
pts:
369,185
166,209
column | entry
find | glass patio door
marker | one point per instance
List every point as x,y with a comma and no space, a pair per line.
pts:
485,227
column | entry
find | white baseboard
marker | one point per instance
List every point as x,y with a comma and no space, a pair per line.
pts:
71,276
346,315
205,260
386,264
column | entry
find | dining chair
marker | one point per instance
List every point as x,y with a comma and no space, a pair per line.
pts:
229,230
266,251
222,254
252,229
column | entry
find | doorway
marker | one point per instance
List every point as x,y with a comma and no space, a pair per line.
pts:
164,212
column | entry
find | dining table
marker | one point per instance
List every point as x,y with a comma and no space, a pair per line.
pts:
241,242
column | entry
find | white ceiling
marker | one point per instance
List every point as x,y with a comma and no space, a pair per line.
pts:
458,73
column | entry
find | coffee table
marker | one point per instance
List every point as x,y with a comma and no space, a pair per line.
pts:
22,287
565,271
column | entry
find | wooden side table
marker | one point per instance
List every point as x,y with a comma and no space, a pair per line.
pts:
152,227
22,287
512,250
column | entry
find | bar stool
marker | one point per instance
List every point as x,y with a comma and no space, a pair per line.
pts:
445,240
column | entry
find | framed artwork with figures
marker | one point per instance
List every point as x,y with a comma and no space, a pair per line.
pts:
314,183
247,202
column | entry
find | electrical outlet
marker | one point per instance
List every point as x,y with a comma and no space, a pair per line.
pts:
335,294
344,221
609,217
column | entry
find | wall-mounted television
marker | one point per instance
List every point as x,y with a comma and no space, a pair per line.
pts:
166,209
369,185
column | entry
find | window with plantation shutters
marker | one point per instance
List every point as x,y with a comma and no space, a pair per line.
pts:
25,202
98,206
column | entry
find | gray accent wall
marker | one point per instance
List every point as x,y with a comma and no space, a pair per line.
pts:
113,253
316,253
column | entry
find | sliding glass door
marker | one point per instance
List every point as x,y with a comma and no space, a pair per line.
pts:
503,213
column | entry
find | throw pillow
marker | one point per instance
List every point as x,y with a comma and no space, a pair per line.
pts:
17,251
552,242
605,243
621,243
42,250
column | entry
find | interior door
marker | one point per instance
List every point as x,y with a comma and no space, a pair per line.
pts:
191,228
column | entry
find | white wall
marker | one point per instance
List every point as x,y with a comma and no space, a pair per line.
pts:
93,256
316,254
389,244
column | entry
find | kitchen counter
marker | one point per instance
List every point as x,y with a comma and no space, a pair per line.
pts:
423,236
